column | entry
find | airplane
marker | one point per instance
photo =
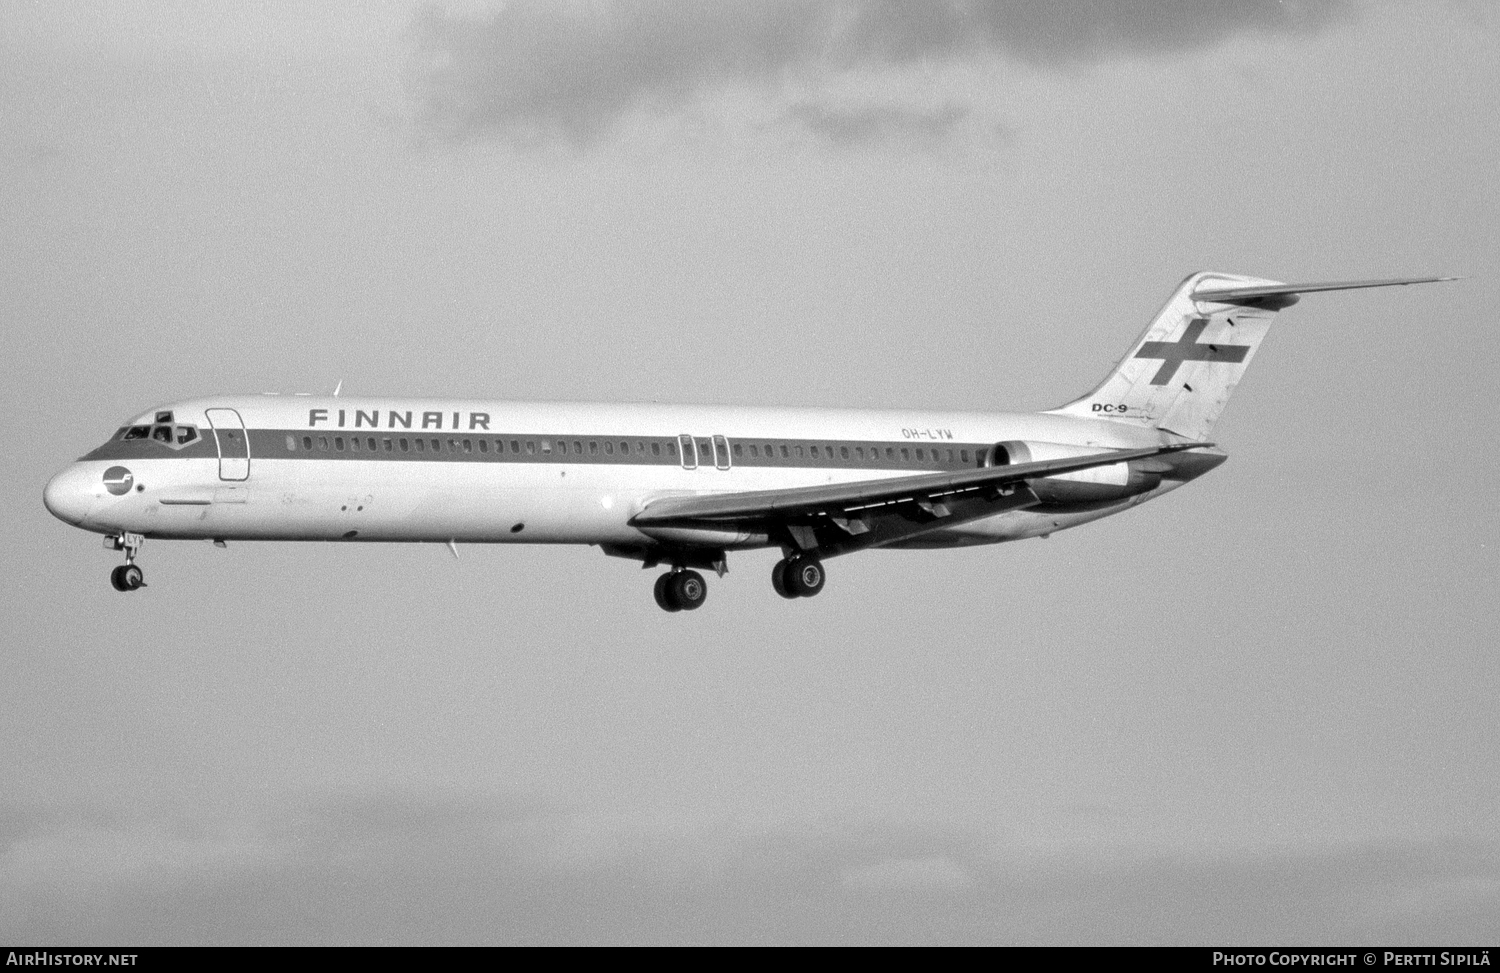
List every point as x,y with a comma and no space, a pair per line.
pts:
676,485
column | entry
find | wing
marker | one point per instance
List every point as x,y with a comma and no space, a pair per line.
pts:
843,517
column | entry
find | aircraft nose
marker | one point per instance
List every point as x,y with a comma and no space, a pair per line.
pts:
70,494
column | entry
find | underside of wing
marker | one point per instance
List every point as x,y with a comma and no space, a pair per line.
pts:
841,517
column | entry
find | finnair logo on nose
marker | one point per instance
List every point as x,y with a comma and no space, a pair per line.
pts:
117,480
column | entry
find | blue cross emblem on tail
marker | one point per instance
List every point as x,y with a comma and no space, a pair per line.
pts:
1187,348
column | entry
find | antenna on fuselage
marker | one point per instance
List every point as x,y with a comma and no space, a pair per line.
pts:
337,388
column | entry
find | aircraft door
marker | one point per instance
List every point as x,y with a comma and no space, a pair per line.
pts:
721,452
233,443
689,451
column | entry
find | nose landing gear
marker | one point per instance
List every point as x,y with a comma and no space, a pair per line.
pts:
128,576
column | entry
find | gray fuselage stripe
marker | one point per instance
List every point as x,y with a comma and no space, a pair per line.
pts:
332,444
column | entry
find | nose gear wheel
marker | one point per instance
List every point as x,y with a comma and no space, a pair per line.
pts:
127,577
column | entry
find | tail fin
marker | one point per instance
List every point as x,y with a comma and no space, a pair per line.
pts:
1179,374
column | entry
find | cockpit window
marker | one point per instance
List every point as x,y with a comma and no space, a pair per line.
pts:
169,434
164,416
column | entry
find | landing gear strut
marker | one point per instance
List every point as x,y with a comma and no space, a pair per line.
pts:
128,576
681,590
798,577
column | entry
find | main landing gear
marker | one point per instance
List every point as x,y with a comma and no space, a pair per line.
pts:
128,576
681,590
798,577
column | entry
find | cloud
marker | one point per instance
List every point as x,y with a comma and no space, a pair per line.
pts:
398,870
540,70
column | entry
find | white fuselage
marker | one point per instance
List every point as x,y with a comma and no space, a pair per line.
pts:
519,472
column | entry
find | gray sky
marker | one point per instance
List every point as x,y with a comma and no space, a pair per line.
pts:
1261,709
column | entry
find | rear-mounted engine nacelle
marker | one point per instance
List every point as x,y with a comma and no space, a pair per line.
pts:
1100,484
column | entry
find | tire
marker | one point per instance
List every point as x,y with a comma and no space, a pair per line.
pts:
664,596
805,576
116,578
132,577
689,590
779,579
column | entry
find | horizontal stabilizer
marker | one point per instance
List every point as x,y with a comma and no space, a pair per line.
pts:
1290,292
1180,372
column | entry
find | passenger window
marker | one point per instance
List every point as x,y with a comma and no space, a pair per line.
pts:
515,447
814,451
784,453
338,443
963,454
437,445
905,454
421,445
531,447
844,451
798,450
593,447
737,452
920,456
890,452
609,448
754,450
484,445
624,448
656,449
404,445
387,442
452,445
307,443
323,443
577,448
468,445
354,443
291,444
859,452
